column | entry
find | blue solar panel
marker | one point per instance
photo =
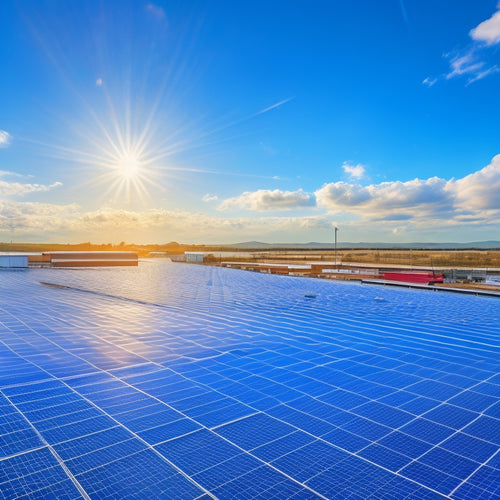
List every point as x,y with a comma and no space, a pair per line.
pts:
178,381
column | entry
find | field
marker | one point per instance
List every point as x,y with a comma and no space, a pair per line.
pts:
471,258
425,258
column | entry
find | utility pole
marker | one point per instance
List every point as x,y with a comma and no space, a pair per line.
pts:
336,230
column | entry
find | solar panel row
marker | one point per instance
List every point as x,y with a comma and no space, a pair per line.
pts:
180,381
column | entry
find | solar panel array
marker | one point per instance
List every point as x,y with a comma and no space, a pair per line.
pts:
178,381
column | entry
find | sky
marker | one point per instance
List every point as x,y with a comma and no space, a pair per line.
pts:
217,121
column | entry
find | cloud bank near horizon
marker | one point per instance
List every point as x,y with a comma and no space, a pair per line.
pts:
414,207
418,198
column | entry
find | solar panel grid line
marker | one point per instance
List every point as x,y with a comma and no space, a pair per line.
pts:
243,450
186,416
456,432
20,453
465,480
280,339
339,387
118,423
359,352
371,323
111,296
149,446
472,329
350,453
61,463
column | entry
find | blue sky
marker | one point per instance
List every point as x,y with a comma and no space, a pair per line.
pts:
223,121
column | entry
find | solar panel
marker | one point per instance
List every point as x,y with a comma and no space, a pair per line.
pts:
178,381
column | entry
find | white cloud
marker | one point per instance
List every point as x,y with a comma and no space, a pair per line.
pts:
488,31
480,190
267,200
354,171
49,222
464,64
6,172
429,81
35,218
156,11
483,74
98,82
473,198
18,189
5,139
388,200
472,61
433,208
210,197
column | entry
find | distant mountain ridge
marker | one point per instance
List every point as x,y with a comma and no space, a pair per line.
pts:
259,245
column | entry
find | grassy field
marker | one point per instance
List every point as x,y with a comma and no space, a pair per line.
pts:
426,258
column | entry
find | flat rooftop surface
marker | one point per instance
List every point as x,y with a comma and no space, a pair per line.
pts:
182,381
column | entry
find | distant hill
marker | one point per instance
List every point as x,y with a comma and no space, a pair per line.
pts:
258,245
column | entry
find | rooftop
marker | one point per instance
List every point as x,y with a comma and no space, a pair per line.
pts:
170,380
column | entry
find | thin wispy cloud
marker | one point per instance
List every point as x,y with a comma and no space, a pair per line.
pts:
156,11
5,139
18,189
210,197
464,64
7,172
472,62
403,11
429,81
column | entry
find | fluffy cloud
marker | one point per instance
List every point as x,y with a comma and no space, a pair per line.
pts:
432,208
18,189
480,190
354,171
35,218
473,198
5,139
379,200
488,31
71,223
265,200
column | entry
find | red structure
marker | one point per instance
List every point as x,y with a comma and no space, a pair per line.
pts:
413,277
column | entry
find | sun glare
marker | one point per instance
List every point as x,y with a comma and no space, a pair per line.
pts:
128,166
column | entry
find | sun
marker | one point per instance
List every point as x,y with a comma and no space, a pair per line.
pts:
128,166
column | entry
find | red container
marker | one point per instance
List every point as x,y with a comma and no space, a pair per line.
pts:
414,277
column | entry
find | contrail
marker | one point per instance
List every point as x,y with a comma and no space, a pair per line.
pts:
277,105
403,11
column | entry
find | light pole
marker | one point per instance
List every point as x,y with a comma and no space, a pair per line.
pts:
336,230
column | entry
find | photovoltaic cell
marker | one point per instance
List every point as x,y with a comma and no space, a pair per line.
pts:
177,381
